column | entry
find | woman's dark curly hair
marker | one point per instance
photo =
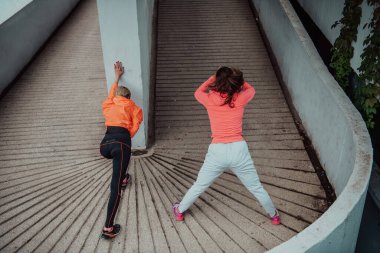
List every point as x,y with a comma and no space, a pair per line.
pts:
228,82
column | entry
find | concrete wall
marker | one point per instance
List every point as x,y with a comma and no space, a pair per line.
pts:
324,14
25,26
145,11
9,8
126,36
335,127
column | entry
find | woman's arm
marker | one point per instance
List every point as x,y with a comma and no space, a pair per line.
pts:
137,118
201,94
247,93
119,71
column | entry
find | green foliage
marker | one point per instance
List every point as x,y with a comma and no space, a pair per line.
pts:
343,50
368,92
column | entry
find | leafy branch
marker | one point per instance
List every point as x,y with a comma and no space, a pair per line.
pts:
343,50
368,92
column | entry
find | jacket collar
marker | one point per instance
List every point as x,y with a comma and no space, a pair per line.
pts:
121,100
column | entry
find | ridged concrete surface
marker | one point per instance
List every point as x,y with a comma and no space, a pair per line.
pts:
54,185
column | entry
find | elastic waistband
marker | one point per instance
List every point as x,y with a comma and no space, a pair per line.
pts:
227,139
116,130
227,143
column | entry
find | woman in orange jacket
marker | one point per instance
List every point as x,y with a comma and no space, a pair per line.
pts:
122,119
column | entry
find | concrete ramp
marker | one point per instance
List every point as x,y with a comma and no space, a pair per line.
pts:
54,185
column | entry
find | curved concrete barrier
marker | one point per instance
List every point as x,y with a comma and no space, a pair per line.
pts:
25,31
337,131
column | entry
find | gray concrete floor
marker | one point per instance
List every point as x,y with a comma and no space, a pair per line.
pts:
54,185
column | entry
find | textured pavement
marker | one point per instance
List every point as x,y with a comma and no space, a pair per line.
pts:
54,185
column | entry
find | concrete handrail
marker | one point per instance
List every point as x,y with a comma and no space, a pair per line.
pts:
337,131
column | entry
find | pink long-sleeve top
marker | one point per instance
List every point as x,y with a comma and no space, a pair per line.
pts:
226,122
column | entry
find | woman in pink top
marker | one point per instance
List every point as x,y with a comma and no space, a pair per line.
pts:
225,95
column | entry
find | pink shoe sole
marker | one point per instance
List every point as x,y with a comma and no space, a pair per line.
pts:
276,220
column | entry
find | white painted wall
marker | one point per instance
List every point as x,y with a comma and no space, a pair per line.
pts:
335,127
25,31
324,14
125,27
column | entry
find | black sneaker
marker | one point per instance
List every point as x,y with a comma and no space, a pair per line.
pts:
109,235
125,182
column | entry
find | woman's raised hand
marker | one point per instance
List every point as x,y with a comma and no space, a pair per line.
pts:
119,70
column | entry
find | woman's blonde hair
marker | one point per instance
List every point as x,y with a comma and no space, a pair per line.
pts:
123,91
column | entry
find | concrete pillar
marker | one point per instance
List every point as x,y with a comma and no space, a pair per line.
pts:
120,41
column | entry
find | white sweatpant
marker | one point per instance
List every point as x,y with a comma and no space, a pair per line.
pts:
222,156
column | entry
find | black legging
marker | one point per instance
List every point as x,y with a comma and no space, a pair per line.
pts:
116,145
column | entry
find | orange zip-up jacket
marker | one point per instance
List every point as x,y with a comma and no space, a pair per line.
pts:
122,112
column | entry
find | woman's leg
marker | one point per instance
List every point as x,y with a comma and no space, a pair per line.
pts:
105,150
212,168
121,155
246,172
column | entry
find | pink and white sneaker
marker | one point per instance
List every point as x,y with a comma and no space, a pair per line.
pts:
276,220
177,214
